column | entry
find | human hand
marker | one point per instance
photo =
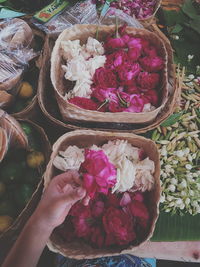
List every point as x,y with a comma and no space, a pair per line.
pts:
61,194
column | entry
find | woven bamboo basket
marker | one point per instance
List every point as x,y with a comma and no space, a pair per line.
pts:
50,109
149,20
69,111
8,238
86,138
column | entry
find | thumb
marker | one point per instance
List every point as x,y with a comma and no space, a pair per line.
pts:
75,195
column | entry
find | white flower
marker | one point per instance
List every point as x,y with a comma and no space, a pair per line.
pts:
94,47
191,192
191,76
174,181
164,175
171,204
148,107
198,209
162,198
179,201
182,206
144,180
163,151
186,151
195,175
195,204
95,63
180,153
170,198
119,149
82,89
172,188
176,37
187,201
125,176
183,184
71,158
70,49
190,158
174,162
183,193
190,57
188,166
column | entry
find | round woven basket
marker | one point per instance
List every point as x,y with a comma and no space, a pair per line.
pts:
69,111
87,138
50,109
8,238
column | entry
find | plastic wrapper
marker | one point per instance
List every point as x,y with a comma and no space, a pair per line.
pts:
11,134
81,13
15,53
114,14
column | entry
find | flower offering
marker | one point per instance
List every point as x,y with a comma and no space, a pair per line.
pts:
117,177
121,74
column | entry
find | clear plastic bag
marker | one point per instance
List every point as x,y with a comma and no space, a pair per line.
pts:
15,53
112,14
81,13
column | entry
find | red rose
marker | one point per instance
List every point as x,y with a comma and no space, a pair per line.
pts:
150,96
97,208
113,200
114,43
152,64
148,80
118,227
81,219
83,102
150,51
134,53
116,59
105,78
98,173
127,72
97,236
101,94
139,210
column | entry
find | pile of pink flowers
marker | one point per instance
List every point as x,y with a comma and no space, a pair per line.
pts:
141,9
109,219
129,80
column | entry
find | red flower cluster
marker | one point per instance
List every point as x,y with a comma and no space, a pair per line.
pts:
118,219
129,78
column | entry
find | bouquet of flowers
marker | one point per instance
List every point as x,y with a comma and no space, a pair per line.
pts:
119,179
120,72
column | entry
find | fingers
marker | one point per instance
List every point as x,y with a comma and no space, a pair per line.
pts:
73,195
69,177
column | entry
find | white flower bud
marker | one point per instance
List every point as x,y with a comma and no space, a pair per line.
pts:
189,175
167,210
186,151
190,158
191,76
180,153
195,203
171,204
162,199
170,198
188,166
194,155
195,175
183,193
179,201
182,206
198,209
163,151
191,192
172,188
183,184
187,201
174,181
174,162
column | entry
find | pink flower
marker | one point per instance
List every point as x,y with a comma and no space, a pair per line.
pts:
136,104
134,53
81,217
127,72
150,51
125,200
152,64
151,96
118,227
116,59
148,80
114,43
101,94
105,78
97,236
98,173
84,103
113,200
97,208
138,209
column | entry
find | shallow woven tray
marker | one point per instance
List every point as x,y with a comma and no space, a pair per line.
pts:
71,112
149,20
50,109
86,138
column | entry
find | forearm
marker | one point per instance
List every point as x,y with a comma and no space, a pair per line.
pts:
29,245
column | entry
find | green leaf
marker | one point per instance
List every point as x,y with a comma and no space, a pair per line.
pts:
195,24
172,119
177,228
2,1
189,9
177,28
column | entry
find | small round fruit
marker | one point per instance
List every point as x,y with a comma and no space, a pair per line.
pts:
26,90
2,189
5,222
35,159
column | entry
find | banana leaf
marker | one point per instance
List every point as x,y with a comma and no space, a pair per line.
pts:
177,228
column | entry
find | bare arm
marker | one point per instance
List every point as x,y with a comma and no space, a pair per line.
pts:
63,191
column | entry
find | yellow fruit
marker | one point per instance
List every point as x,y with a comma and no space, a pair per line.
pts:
5,222
35,159
2,189
26,90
